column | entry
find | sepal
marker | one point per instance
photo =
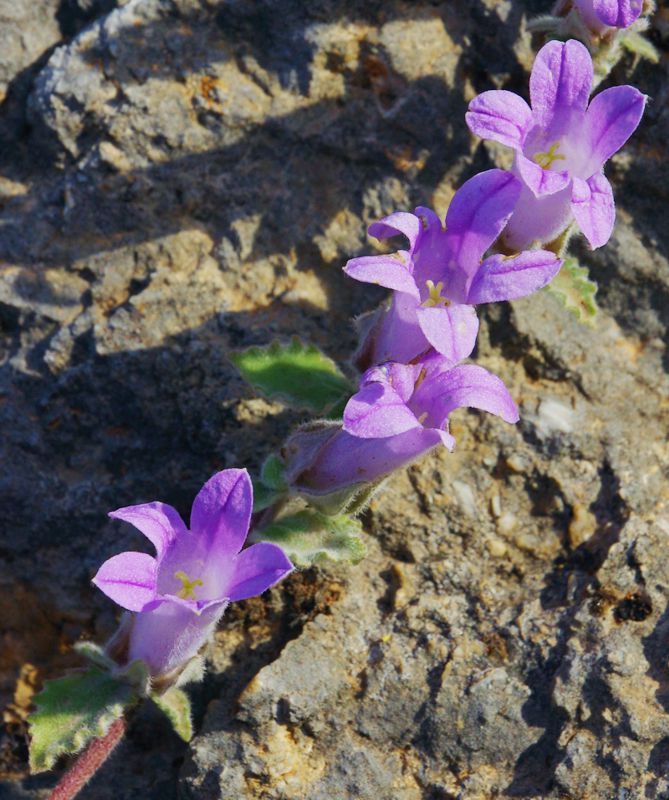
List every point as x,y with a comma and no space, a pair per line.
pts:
175,704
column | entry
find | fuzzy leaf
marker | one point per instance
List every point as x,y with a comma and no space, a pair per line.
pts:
296,374
176,706
574,289
309,537
73,710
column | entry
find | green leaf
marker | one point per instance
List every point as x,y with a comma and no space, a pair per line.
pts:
176,706
296,374
309,537
73,710
574,289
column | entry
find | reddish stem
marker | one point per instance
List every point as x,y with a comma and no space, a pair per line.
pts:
88,763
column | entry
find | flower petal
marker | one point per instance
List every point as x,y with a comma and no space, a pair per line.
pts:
541,181
428,217
256,569
222,511
400,377
171,634
451,331
501,116
466,386
477,214
618,13
611,118
383,271
377,411
160,523
401,222
504,278
538,220
561,81
397,336
594,209
347,460
129,579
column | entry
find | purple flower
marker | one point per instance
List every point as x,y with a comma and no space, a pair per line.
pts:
400,412
181,594
601,14
439,279
561,144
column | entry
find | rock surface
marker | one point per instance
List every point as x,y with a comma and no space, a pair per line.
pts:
184,177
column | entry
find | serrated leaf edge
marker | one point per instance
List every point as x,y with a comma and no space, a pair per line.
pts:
80,738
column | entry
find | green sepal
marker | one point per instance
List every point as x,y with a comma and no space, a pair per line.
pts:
271,486
72,711
175,704
272,473
137,674
640,46
95,654
574,289
296,374
263,496
310,537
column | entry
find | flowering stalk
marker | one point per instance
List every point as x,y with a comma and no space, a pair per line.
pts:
504,236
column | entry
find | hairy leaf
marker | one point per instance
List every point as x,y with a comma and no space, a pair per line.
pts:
309,537
575,291
73,710
296,374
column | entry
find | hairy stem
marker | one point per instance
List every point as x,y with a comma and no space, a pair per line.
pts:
88,763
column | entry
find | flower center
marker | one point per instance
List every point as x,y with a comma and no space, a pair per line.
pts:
187,591
546,160
435,298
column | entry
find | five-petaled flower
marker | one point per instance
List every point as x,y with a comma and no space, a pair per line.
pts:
561,144
181,594
599,15
442,275
400,412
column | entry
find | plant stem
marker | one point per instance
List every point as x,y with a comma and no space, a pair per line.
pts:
88,763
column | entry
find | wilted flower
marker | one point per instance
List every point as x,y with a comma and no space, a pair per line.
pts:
400,412
561,144
439,279
180,595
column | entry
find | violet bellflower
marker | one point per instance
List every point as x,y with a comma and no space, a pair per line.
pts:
561,145
600,15
400,412
442,275
180,595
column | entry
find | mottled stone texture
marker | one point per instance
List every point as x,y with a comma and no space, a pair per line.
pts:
183,177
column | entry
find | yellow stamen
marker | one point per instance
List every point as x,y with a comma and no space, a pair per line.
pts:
435,298
187,591
545,160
